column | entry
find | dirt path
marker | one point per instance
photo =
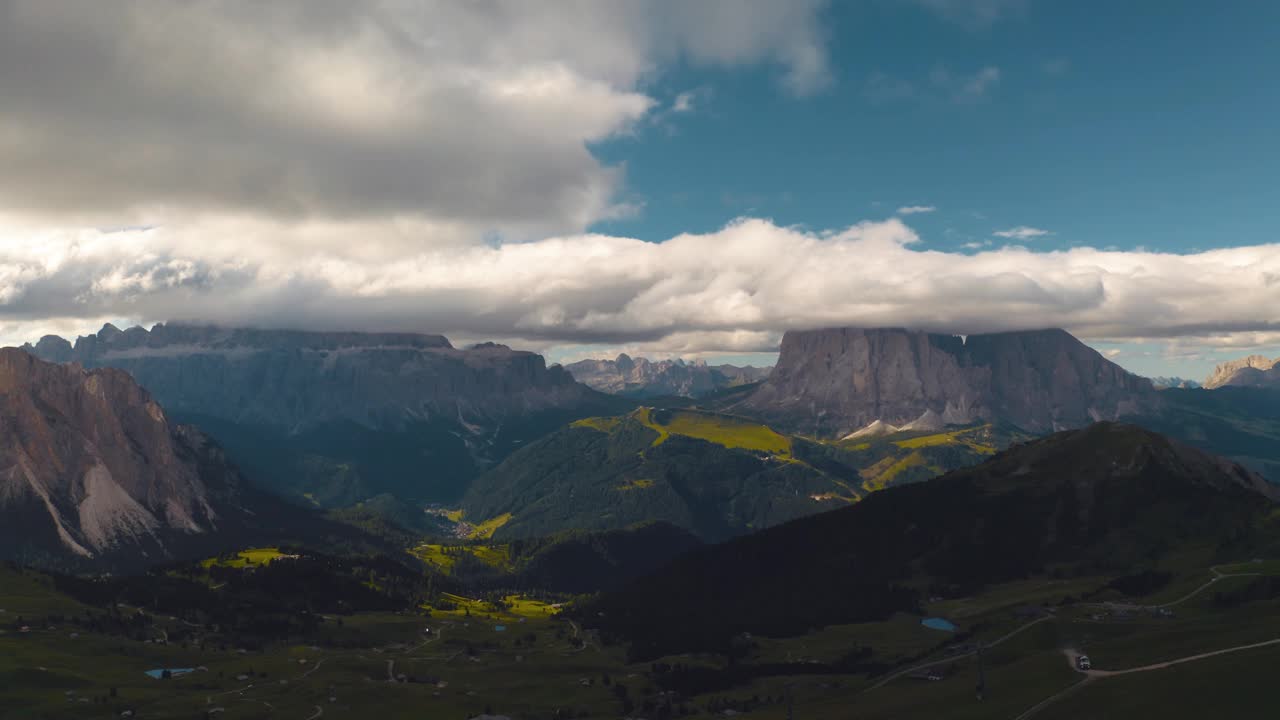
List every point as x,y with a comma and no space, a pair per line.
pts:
1217,575
953,658
1179,661
1095,675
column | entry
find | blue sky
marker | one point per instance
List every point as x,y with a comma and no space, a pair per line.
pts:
1139,124
663,178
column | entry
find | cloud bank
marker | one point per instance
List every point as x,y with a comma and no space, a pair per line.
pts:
427,166
731,290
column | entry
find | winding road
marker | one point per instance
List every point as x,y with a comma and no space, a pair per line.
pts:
1217,575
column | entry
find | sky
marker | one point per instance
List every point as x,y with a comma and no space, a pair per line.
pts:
661,178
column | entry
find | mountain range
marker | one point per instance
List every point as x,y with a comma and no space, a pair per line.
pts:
644,378
383,423
339,416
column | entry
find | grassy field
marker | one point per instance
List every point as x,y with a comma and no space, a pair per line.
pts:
603,424
727,431
444,557
517,657
883,473
246,558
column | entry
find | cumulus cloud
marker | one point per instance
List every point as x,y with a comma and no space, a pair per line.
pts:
1022,232
455,118
916,209
606,290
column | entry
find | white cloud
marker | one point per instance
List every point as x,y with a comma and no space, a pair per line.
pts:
605,290
469,118
683,102
916,209
1022,232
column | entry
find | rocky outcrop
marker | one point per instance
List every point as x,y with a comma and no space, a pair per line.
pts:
839,381
90,465
1252,371
643,378
293,380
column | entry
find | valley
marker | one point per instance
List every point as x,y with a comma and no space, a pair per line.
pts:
542,665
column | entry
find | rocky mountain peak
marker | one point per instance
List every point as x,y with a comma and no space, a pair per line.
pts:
836,381
1251,371
642,377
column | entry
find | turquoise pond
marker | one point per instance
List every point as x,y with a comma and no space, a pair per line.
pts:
937,623
173,672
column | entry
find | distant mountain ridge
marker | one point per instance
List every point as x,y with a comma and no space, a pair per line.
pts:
292,379
1161,381
644,378
337,417
1251,371
834,382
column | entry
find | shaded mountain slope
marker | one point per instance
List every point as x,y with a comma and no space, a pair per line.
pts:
715,475
1242,423
1107,497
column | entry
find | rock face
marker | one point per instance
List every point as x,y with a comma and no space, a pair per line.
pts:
838,381
1253,371
293,380
91,466
641,377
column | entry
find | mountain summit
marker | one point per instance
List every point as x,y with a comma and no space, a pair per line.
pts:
1252,371
839,381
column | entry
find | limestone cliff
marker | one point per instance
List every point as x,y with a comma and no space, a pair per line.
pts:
90,465
1252,371
292,380
835,382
